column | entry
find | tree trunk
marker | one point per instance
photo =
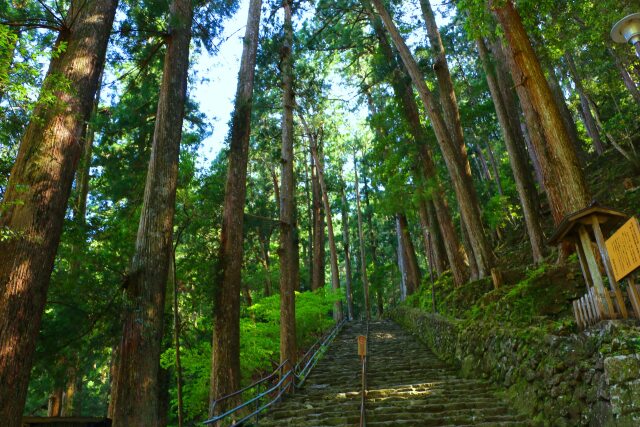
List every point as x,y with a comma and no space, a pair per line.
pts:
33,209
333,251
451,144
402,262
347,254
176,337
517,158
266,262
70,400
136,398
317,280
413,269
626,78
587,115
430,226
288,348
363,258
225,374
562,174
310,222
473,267
494,167
566,115
54,406
405,98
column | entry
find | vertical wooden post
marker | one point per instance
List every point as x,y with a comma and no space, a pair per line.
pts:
583,266
613,284
605,310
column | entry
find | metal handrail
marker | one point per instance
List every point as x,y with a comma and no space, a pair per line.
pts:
311,360
363,390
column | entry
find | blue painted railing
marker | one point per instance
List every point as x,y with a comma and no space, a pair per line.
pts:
274,391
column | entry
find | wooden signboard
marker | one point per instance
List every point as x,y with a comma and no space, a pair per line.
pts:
624,248
362,345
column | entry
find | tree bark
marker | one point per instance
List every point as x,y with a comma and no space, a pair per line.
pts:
405,98
565,113
317,279
587,115
136,401
452,146
176,337
288,348
430,226
414,275
562,174
225,374
363,258
310,222
347,254
333,251
54,406
517,158
626,78
33,209
402,262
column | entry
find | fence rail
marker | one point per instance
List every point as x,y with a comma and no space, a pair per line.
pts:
274,391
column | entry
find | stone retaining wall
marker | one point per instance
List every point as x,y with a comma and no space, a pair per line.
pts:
591,378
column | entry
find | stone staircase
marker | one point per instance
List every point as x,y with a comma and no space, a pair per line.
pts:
407,386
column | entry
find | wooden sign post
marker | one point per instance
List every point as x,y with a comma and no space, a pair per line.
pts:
362,346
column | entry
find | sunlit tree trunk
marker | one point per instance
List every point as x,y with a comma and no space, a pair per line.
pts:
430,227
562,174
414,275
136,398
33,209
402,262
517,158
452,146
347,253
363,258
225,373
317,278
288,347
333,251
626,78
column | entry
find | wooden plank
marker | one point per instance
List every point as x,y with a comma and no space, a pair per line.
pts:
576,314
596,309
583,266
613,284
605,305
586,311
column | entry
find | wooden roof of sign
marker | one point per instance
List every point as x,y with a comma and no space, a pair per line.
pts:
604,214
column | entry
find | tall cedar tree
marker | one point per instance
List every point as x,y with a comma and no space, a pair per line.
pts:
561,171
225,377
517,156
452,147
409,108
136,395
287,249
363,254
347,252
32,212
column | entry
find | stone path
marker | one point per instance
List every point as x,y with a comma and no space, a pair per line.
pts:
407,386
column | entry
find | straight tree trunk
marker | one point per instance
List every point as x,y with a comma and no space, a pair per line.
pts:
288,348
565,113
310,222
562,174
266,262
414,275
54,406
71,402
517,158
405,98
136,399
402,262
33,209
225,373
626,78
473,267
363,258
494,167
176,337
333,251
587,114
317,280
347,254
452,146
430,227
